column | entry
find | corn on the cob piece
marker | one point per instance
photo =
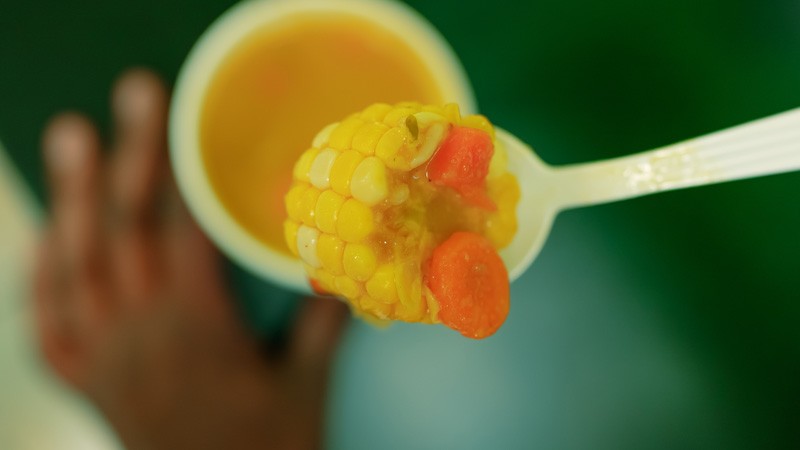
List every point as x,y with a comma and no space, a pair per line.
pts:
366,218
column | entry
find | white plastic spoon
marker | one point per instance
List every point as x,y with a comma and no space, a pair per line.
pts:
763,147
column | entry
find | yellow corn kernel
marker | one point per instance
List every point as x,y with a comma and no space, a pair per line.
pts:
376,112
290,234
327,209
303,165
342,171
347,287
321,139
294,201
413,126
427,118
330,250
452,113
501,226
320,174
399,194
368,183
342,135
308,202
368,136
504,190
326,280
310,270
355,221
359,261
307,238
397,116
382,285
374,307
499,161
480,122
500,229
411,312
388,148
431,140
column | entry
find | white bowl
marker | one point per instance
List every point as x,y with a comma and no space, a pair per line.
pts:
197,73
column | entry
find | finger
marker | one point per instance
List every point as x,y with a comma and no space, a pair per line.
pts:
57,341
71,153
317,333
139,102
72,157
69,297
138,166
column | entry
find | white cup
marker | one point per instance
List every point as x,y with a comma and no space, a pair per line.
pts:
197,73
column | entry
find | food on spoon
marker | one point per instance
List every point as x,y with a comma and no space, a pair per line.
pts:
401,209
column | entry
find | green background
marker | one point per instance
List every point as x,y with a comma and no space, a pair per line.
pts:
671,321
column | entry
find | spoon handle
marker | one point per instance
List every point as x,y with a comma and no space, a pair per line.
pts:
762,147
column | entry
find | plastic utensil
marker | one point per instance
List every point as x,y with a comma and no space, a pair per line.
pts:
762,147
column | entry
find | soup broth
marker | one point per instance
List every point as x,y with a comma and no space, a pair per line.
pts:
282,85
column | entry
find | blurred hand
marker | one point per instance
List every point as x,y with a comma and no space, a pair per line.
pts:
132,308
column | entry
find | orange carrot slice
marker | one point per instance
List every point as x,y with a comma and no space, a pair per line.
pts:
462,162
470,283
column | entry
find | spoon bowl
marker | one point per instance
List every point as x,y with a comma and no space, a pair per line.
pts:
536,210
762,147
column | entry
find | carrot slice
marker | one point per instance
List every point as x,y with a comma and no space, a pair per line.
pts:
470,283
462,162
